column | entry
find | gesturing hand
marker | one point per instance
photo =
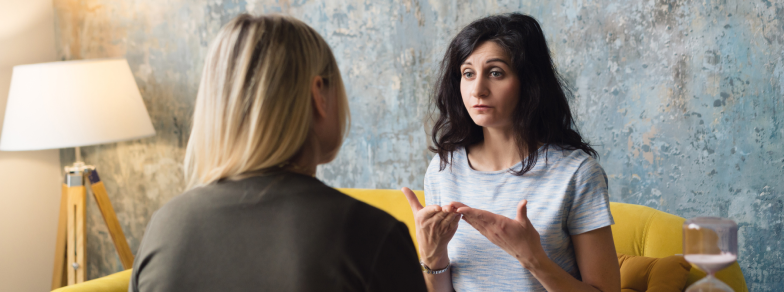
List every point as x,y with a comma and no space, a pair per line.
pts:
435,227
517,237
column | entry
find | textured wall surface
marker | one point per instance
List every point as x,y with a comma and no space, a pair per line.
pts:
683,99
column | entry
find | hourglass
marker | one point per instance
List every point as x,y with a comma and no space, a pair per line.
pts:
710,243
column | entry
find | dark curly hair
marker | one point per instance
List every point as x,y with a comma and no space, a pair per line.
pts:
542,114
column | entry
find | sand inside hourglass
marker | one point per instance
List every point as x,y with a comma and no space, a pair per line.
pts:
711,263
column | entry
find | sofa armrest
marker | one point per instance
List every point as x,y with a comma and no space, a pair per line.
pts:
117,282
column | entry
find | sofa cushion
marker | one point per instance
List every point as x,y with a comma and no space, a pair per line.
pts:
639,273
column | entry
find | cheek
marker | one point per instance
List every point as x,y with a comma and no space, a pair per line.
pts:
511,96
465,93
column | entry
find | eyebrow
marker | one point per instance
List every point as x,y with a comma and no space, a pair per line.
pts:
489,61
496,60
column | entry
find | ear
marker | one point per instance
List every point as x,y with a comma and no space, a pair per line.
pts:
317,89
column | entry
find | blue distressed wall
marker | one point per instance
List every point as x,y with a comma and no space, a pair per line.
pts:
683,99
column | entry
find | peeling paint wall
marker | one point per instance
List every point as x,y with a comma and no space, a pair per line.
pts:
683,99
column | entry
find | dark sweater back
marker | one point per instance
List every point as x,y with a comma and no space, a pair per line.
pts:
278,232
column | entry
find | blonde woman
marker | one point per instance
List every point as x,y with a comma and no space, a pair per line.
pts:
271,107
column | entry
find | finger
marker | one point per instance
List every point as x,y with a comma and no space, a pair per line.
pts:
476,216
455,221
476,224
464,210
458,204
412,200
461,208
469,215
470,212
449,218
441,215
522,211
450,207
432,211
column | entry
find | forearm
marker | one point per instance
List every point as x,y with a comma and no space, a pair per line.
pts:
554,278
441,282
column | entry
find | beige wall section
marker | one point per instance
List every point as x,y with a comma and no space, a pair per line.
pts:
29,180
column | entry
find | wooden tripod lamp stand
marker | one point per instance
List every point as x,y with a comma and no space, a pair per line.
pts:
72,104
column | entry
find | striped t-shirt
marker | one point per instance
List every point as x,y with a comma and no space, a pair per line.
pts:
567,195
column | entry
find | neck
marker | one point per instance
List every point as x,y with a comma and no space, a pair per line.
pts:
496,139
306,161
497,151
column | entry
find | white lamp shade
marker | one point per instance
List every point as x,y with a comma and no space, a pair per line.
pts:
73,103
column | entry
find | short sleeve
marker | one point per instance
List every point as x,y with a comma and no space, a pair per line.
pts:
590,208
432,195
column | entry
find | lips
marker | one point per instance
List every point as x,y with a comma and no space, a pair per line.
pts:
481,106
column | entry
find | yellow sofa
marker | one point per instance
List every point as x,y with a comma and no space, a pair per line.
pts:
638,231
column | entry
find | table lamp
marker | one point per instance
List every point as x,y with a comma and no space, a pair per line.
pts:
72,104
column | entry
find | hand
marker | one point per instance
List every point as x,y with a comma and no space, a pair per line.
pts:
517,237
435,227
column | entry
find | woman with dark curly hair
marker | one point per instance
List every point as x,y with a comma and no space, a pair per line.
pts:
507,146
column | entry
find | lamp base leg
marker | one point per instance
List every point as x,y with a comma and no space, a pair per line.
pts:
58,275
110,218
70,248
76,234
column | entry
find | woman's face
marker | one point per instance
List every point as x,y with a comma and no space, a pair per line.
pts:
489,86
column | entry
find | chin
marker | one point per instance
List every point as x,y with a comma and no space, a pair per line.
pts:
491,124
483,122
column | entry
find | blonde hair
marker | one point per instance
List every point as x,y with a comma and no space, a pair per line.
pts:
253,110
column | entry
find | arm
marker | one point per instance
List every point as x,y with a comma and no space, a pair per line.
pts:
440,282
596,259
435,227
147,272
595,251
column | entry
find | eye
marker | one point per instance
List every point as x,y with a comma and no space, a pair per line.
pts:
496,74
468,74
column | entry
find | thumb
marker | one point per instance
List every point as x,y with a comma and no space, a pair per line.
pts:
522,211
412,200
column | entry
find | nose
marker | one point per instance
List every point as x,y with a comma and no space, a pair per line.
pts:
480,89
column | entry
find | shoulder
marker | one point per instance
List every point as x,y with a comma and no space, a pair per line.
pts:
287,188
183,204
586,167
434,166
439,172
455,161
569,159
583,169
